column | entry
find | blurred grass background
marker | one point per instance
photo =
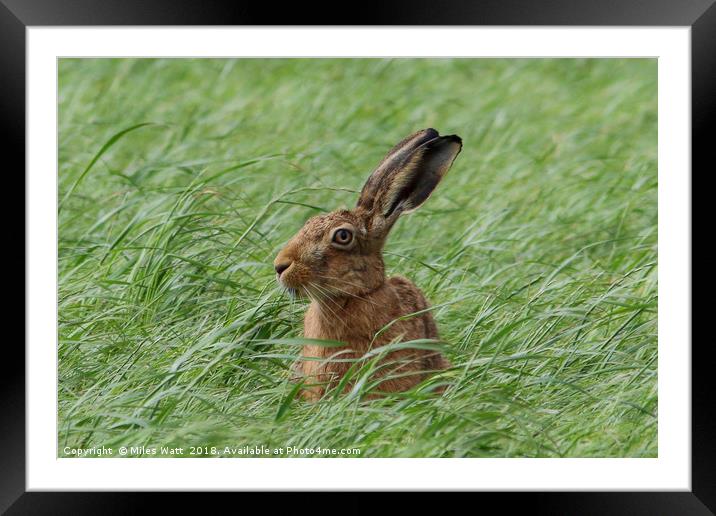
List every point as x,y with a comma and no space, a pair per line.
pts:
539,250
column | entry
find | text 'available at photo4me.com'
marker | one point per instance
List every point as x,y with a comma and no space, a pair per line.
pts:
259,450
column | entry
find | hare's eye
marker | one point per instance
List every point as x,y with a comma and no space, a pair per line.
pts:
342,237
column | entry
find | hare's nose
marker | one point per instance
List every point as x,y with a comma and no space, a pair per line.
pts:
281,266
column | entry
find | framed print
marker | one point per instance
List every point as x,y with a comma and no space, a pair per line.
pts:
436,250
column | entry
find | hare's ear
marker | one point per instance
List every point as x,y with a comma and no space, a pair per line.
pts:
408,175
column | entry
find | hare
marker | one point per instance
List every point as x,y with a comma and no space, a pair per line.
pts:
336,261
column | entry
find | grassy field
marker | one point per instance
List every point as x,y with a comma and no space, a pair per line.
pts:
179,180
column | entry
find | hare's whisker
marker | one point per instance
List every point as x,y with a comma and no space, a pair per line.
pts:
335,311
327,295
331,310
342,280
353,295
314,294
362,298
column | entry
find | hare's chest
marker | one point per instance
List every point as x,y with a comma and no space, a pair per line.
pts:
335,325
358,323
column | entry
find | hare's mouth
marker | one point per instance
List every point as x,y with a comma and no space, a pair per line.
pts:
294,280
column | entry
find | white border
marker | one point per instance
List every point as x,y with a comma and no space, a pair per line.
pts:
670,471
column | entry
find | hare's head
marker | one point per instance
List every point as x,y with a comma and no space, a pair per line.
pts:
340,253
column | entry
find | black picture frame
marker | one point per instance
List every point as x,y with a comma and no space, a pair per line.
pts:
17,15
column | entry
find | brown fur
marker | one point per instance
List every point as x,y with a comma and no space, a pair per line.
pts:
352,300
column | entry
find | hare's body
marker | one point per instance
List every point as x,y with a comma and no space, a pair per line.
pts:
356,321
336,260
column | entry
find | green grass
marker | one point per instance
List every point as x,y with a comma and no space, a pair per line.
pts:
538,251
